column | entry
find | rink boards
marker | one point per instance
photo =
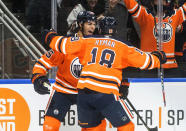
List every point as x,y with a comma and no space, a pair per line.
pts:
22,109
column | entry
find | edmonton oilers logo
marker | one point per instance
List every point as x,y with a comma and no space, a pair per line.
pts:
166,32
75,68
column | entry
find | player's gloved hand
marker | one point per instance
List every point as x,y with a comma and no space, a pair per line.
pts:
184,55
41,84
124,89
46,37
161,56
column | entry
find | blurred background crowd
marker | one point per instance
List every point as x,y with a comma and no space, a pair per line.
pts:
36,15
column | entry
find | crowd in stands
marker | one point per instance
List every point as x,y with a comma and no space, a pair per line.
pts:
135,23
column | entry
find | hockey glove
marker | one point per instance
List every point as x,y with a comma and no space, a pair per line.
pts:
161,56
46,37
40,84
124,90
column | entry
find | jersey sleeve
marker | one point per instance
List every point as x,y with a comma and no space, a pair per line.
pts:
139,59
182,14
137,11
184,8
69,45
47,61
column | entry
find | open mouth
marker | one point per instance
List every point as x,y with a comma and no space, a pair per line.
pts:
89,32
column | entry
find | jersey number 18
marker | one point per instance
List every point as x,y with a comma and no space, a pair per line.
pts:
103,59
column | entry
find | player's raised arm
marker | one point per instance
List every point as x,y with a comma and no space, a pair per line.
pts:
137,11
51,39
62,44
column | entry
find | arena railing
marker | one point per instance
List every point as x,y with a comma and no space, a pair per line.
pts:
27,40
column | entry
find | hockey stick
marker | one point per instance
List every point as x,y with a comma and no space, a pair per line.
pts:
159,45
144,123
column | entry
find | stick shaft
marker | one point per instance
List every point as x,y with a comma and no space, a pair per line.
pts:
159,32
163,88
128,101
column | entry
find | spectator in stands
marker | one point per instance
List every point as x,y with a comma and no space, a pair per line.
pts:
96,6
118,10
148,21
38,15
64,9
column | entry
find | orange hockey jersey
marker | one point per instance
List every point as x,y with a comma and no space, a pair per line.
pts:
148,31
68,71
103,60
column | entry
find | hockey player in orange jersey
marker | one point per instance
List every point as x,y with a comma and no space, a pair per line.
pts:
145,16
98,87
69,68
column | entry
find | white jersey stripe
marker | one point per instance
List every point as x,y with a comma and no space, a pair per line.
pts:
170,62
137,13
146,61
99,75
63,89
39,66
63,46
152,66
169,54
97,84
64,83
47,64
130,10
57,42
183,14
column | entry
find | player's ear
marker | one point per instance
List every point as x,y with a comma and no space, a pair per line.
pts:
81,25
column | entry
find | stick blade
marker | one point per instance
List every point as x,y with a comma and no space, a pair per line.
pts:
154,129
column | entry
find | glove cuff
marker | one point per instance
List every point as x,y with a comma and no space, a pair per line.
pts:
49,36
161,56
36,76
46,37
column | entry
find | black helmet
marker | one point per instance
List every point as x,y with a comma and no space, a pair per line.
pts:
85,16
106,24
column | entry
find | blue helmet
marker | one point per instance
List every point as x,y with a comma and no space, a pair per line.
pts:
107,25
85,16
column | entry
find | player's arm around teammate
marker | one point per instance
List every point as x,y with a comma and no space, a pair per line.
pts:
69,68
103,59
